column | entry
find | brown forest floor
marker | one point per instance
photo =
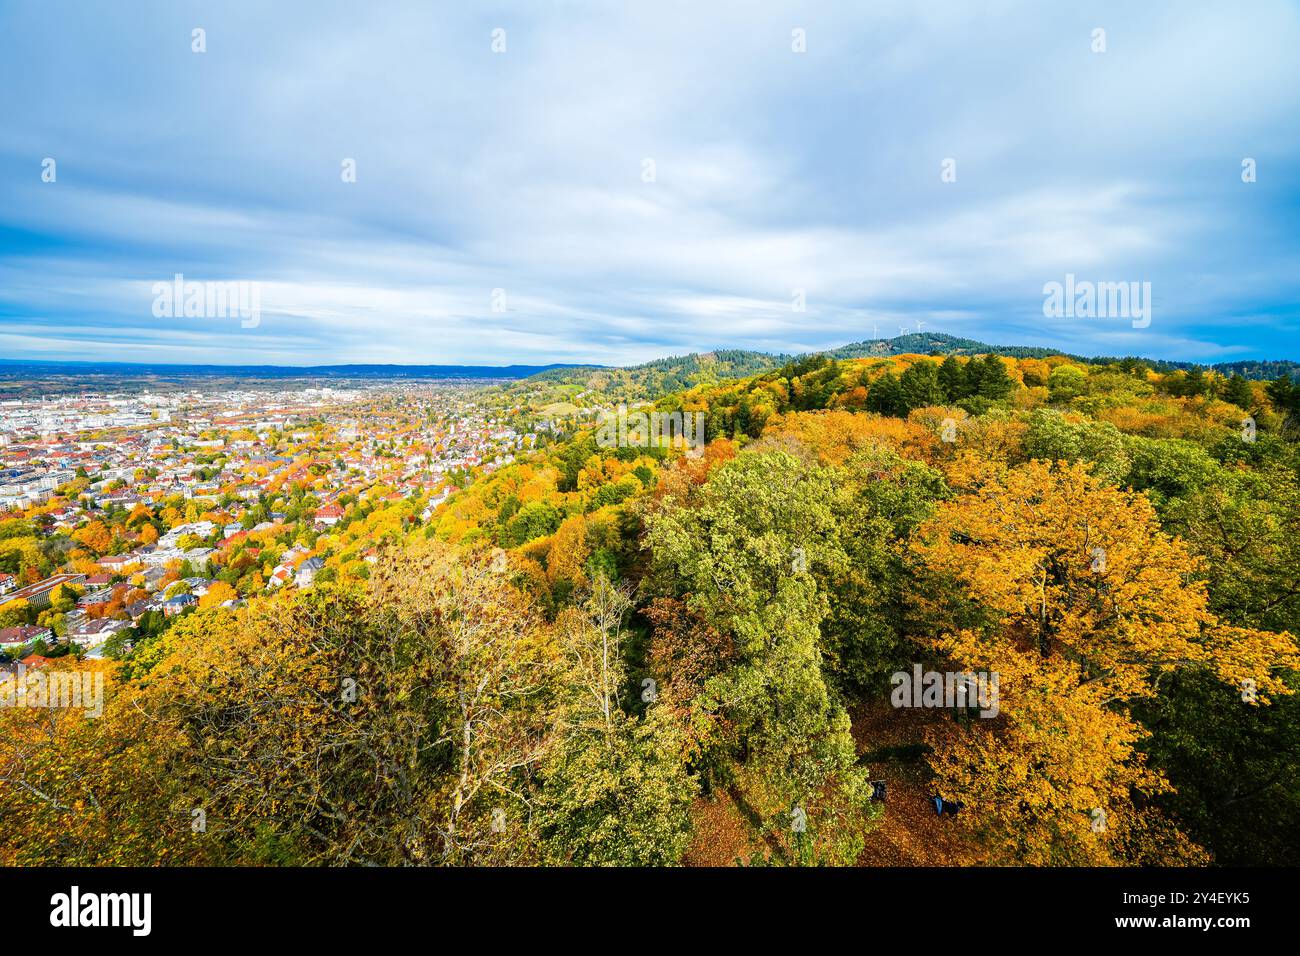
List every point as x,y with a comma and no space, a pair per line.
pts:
908,834
722,835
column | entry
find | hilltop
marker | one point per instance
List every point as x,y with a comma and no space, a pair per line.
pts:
562,389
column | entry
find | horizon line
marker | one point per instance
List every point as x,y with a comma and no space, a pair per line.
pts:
548,366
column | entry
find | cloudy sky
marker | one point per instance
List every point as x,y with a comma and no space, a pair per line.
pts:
641,179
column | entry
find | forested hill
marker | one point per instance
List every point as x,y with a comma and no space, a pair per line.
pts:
1260,371
595,385
924,343
564,387
931,343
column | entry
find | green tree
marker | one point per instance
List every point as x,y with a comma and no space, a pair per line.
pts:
617,795
1234,767
1050,437
953,379
1285,396
995,383
1066,382
1237,391
919,386
884,396
739,555
883,498
536,519
616,788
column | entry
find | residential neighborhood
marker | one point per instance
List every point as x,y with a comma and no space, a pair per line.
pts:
121,511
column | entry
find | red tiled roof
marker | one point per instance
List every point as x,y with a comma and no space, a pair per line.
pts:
21,634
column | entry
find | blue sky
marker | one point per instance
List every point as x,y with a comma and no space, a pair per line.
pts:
774,171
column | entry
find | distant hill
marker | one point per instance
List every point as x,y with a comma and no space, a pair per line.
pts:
650,380
640,383
944,344
570,383
923,343
1261,370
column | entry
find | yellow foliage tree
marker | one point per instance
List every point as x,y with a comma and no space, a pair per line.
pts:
569,551
218,593
1068,591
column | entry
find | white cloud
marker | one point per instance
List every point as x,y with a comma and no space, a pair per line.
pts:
775,171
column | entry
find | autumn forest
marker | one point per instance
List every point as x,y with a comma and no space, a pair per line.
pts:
892,610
